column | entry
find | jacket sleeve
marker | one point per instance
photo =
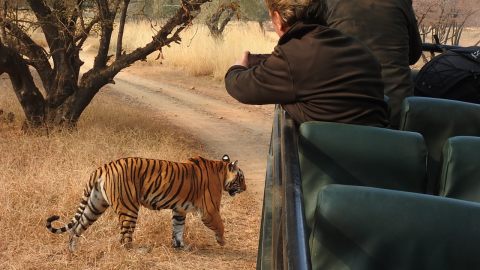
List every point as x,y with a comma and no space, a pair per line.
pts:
415,41
268,83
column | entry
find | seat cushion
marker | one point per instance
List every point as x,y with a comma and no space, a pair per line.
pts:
460,173
437,120
333,153
362,228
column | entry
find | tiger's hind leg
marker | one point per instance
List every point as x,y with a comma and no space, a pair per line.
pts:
127,212
128,222
178,223
94,208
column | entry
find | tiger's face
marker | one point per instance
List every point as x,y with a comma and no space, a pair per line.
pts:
235,182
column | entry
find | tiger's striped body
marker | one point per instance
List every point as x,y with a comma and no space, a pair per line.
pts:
125,184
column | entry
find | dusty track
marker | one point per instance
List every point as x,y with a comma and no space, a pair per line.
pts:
202,107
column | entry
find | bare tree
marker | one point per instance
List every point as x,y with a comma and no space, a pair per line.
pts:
423,11
221,12
66,24
218,20
444,19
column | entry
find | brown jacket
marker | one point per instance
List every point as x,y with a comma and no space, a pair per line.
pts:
389,29
316,73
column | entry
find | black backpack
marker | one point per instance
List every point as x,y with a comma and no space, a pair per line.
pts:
454,74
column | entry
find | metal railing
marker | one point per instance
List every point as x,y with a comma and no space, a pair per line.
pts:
432,47
283,243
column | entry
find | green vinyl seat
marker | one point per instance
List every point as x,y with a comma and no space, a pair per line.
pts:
364,228
414,74
389,107
437,120
460,169
335,153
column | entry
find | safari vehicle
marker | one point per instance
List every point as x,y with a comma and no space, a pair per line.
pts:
341,196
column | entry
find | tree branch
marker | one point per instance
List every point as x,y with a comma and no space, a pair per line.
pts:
107,19
83,35
121,28
27,92
37,55
77,12
46,20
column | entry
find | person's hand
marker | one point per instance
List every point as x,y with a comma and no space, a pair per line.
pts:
244,60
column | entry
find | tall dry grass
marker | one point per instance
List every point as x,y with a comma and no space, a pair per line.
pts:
44,175
199,54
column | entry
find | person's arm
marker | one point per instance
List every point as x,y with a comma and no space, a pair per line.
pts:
268,83
243,61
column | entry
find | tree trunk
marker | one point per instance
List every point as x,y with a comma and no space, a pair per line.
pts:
262,27
217,26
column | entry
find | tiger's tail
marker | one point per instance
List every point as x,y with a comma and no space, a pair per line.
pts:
71,224
81,208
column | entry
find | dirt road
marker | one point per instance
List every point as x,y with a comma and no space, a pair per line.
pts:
203,108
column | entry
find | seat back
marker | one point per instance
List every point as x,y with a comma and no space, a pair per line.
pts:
334,153
362,228
460,169
437,120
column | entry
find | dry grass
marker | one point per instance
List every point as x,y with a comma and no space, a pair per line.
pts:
199,54
41,176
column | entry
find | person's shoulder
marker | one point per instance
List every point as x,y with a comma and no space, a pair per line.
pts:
322,32
307,30
310,27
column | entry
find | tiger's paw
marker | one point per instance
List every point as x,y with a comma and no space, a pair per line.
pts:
72,245
178,243
221,240
72,242
127,246
186,248
143,250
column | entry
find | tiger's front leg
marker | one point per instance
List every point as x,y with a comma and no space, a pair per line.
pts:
214,222
178,223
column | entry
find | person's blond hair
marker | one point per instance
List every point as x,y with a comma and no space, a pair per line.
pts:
292,11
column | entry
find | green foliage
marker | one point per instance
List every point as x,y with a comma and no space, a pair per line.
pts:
154,9
249,10
253,10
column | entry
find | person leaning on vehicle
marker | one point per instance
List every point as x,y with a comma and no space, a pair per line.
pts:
389,29
316,73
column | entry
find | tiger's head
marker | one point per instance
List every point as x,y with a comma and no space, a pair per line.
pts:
235,181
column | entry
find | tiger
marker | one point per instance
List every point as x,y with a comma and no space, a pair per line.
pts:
191,186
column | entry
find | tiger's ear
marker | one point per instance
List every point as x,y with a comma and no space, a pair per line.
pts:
226,158
233,167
